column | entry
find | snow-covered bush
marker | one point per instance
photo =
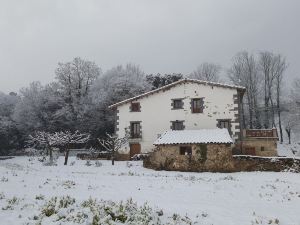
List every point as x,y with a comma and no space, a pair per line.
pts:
88,163
11,203
96,212
49,163
4,179
56,203
68,184
98,163
40,197
2,196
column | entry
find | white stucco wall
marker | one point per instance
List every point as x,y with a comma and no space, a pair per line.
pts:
156,111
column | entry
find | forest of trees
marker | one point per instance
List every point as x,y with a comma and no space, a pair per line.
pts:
80,94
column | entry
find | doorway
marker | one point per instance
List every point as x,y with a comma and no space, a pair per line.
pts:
135,149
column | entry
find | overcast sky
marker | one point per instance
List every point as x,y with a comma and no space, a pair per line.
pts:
162,36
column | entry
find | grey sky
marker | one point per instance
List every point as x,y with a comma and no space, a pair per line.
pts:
161,36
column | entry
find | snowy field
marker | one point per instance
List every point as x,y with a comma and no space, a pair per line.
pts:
205,198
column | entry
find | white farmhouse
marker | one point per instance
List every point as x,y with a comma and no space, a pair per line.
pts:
186,104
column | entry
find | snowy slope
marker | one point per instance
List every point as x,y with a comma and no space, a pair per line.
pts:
208,198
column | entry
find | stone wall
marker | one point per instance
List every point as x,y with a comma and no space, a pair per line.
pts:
269,146
215,158
218,158
276,164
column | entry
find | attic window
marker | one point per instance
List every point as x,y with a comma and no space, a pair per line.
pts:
135,107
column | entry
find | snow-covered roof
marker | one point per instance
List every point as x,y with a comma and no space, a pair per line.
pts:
203,136
185,80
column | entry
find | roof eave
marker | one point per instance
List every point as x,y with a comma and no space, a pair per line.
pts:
185,80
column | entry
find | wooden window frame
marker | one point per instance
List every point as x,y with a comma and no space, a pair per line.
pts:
177,122
220,121
198,109
179,104
135,132
135,107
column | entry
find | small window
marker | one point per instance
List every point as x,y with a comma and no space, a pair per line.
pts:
262,148
135,130
197,105
225,124
177,104
135,107
185,150
177,125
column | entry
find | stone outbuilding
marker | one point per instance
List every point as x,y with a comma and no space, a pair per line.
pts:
193,150
259,142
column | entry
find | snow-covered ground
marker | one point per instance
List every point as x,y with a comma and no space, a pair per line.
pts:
290,150
206,198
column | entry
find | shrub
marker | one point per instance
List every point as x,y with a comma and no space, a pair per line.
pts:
88,163
98,163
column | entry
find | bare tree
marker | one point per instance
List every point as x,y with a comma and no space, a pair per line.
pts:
244,72
295,93
291,121
266,64
278,71
112,143
64,139
207,71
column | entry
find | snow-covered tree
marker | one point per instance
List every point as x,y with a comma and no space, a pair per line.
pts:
115,85
207,71
9,134
158,80
112,143
75,79
42,139
120,83
65,139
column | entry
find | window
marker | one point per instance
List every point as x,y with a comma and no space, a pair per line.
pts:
135,107
262,148
177,125
135,129
225,124
185,150
177,104
197,105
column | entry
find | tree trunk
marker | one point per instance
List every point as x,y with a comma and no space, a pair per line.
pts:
243,114
266,110
273,113
280,127
250,112
51,154
288,131
66,156
279,112
113,159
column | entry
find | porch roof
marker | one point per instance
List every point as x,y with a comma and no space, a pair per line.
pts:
202,136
